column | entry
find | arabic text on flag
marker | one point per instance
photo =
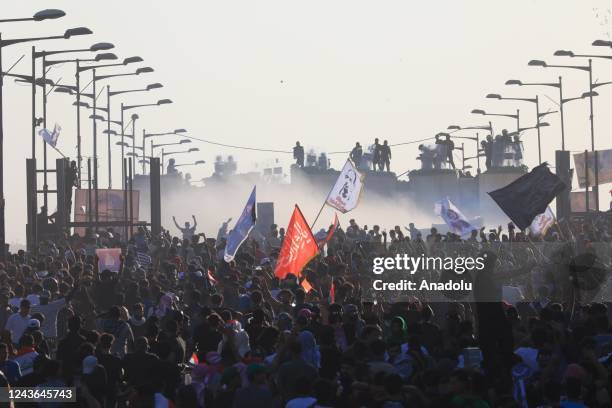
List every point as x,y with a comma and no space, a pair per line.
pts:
299,247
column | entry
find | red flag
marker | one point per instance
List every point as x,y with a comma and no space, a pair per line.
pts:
194,359
306,285
331,231
332,293
299,247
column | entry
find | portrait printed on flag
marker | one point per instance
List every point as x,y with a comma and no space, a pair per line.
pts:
344,196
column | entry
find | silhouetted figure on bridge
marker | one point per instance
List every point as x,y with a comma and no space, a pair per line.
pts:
385,157
171,169
298,154
376,154
356,154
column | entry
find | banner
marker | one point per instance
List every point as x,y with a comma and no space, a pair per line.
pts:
299,247
604,163
529,195
542,222
109,258
110,207
50,137
454,218
344,196
578,201
241,230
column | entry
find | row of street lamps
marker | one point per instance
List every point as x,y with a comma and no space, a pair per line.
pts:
82,65
589,94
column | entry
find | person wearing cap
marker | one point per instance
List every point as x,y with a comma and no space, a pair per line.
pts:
257,394
18,322
33,324
94,377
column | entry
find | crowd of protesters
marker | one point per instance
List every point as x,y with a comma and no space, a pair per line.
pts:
178,326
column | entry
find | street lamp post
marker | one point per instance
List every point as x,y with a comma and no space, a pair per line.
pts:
108,104
46,14
191,150
102,46
515,116
558,85
536,101
94,80
64,88
153,146
146,135
196,163
456,128
128,107
589,69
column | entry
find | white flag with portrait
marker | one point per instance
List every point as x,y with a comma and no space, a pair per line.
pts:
542,222
344,196
454,218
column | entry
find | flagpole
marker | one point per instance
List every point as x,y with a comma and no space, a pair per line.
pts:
320,211
323,206
58,150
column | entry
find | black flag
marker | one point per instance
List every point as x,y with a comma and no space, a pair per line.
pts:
529,195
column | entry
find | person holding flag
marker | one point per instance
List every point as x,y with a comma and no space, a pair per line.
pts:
243,227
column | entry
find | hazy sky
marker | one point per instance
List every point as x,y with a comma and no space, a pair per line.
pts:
328,73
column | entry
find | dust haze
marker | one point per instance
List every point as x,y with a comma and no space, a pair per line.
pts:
214,204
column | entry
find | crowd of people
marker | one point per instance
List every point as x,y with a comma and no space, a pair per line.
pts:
178,326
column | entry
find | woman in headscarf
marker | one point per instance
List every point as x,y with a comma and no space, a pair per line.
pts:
310,350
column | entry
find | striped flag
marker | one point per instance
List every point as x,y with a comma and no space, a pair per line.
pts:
194,359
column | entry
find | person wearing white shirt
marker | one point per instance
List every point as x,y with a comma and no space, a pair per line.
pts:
18,322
